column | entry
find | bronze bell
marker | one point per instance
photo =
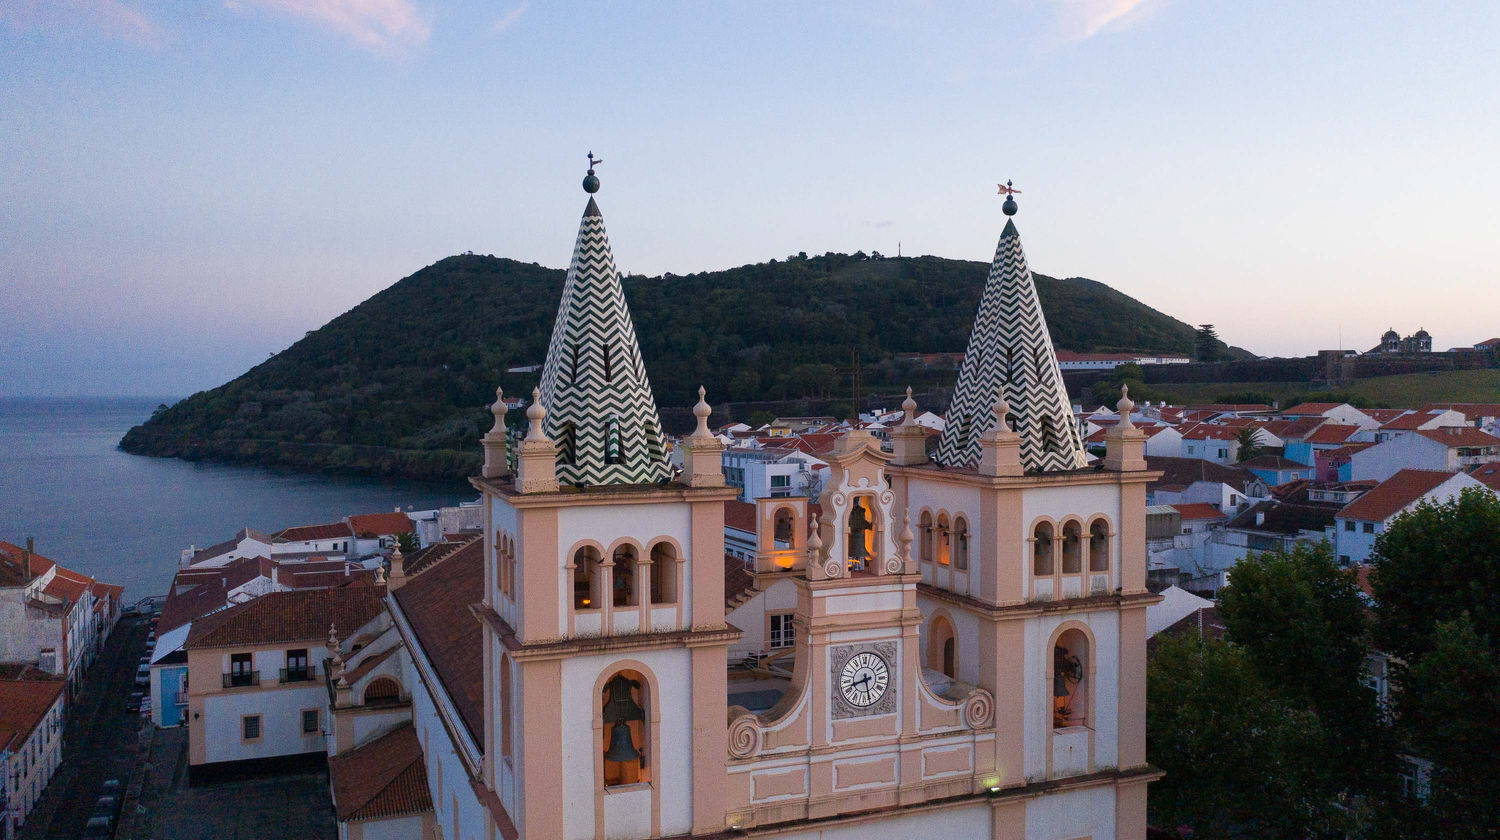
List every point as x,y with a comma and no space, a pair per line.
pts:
621,745
620,706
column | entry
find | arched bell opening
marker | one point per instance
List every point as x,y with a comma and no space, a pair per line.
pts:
944,541
960,544
1070,680
942,647
623,587
1072,548
588,578
663,573
925,526
624,709
862,530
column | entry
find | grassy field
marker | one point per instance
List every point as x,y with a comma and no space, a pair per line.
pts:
1404,391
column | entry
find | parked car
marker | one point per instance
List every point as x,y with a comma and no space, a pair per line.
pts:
99,828
143,675
110,787
107,806
134,702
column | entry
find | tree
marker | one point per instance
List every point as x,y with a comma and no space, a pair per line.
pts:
1300,619
1434,578
1207,343
759,418
1235,752
1249,444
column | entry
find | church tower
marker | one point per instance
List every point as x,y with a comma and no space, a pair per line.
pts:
1033,573
605,644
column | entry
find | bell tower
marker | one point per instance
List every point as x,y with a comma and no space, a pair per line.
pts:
605,646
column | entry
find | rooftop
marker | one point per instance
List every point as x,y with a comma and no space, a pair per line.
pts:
1452,436
1391,496
385,777
380,524
24,703
436,605
298,615
1199,510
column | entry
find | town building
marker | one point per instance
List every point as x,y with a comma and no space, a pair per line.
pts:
1391,343
1360,522
1069,360
256,698
31,736
1445,449
52,617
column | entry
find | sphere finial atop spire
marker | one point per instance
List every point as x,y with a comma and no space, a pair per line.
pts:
591,181
1010,193
1124,407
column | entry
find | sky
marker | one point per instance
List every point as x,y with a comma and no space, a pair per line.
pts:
187,188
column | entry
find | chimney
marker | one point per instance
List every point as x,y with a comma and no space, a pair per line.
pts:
1260,517
275,575
26,555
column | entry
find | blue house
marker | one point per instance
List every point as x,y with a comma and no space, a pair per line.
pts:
169,681
1275,470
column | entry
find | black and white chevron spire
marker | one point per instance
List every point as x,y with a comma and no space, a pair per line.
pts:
600,410
1010,349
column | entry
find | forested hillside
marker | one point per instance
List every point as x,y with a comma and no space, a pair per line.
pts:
399,384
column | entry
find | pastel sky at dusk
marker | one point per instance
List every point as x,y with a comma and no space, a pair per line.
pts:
188,187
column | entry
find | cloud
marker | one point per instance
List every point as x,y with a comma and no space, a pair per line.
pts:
113,18
1087,18
510,17
370,23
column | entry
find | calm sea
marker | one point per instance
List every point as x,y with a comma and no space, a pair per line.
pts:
125,518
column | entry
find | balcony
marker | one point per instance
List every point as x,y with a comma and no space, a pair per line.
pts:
241,679
305,673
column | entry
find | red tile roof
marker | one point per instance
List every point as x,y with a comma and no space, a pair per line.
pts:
1470,411
740,515
23,705
308,533
436,605
385,777
1488,475
1310,409
1383,415
1331,433
1273,462
380,524
1298,429
1392,495
737,581
299,615
1199,510
1410,420
1451,436
1208,431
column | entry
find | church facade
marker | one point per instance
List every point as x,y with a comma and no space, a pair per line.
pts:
961,643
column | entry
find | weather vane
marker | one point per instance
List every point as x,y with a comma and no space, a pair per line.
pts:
1009,207
591,181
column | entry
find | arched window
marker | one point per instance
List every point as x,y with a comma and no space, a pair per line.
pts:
1070,677
663,574
624,709
614,445
925,549
1072,549
1041,551
944,541
781,531
1099,546
624,577
961,544
382,691
586,579
942,647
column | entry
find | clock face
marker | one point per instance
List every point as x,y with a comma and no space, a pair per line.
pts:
864,679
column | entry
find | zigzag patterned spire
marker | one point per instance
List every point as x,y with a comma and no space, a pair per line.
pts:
600,410
1010,350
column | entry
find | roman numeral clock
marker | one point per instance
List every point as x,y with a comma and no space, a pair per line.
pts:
862,679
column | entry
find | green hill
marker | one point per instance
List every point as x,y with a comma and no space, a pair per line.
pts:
399,384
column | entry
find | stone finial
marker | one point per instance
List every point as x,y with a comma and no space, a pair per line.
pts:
1002,415
535,413
499,409
905,537
909,408
333,637
701,411
815,541
1124,407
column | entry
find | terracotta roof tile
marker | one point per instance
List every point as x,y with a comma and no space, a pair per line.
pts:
385,777
23,704
1185,471
380,524
1200,510
1310,409
298,615
307,533
1332,433
1410,420
740,515
1451,436
737,580
1488,475
1392,495
436,604
1273,462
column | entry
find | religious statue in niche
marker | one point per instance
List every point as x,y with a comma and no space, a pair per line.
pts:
861,533
1067,676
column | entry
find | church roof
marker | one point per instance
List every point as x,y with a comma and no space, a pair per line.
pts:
600,409
1011,351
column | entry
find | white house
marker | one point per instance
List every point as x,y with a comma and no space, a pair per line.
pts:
31,736
1358,524
1342,413
1447,448
1209,442
1417,421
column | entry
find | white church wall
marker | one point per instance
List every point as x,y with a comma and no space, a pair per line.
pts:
1071,814
1104,707
457,810
965,634
605,524
969,821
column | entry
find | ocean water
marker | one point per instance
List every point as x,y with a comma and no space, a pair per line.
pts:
125,518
